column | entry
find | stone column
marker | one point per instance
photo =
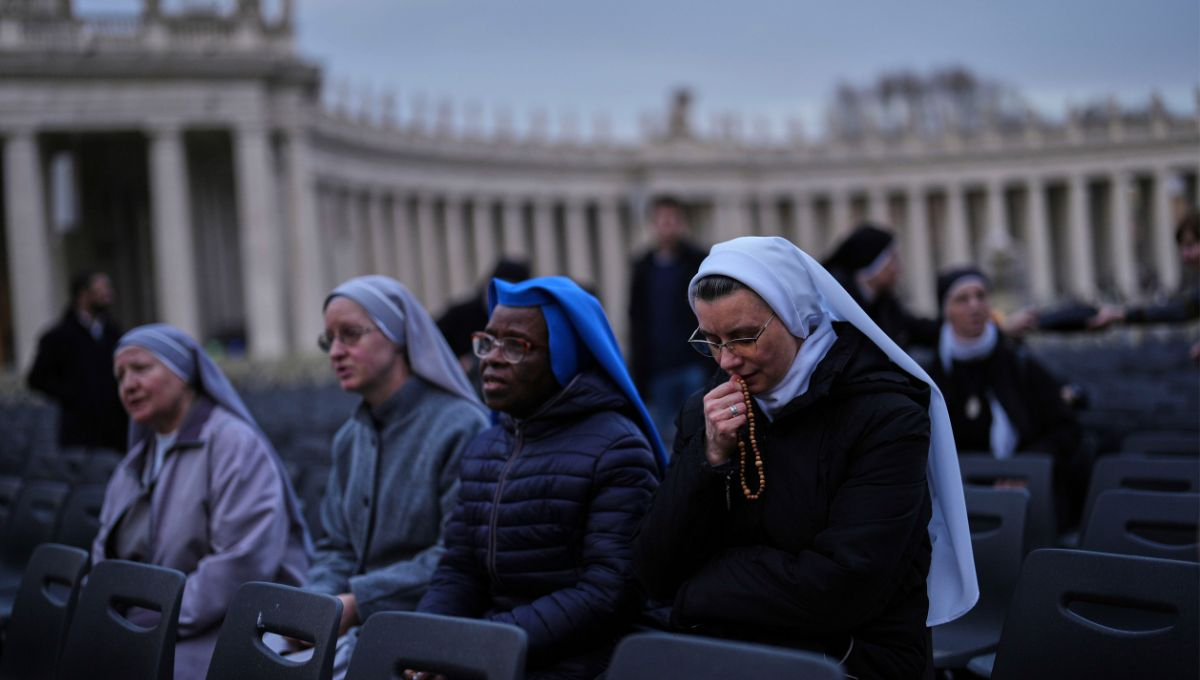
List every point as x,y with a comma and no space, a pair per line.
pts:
958,248
998,235
458,248
1039,247
483,236
921,274
381,256
1120,234
839,217
174,265
545,240
406,244
804,232
579,246
729,217
514,229
614,273
877,206
308,276
30,265
1079,237
262,254
432,290
1166,259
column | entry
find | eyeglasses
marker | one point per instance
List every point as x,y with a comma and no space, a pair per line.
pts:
739,346
348,336
513,350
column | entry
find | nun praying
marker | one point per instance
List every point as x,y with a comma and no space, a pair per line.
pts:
813,499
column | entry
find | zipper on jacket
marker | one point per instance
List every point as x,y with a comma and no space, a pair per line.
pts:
519,441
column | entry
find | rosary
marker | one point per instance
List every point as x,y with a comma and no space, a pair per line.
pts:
758,462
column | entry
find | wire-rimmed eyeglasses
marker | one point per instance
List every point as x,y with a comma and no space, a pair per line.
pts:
512,350
739,346
348,336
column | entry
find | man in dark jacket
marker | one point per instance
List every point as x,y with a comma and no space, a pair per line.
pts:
664,369
74,367
551,495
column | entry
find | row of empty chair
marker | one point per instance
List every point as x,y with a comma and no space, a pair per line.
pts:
83,632
1073,614
1155,524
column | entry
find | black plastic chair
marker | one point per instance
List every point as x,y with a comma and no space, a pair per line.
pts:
997,518
652,656
9,488
1145,523
260,608
103,644
390,642
79,520
1162,443
1077,614
34,516
1038,472
41,613
1163,474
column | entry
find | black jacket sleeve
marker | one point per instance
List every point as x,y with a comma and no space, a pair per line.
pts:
676,534
847,576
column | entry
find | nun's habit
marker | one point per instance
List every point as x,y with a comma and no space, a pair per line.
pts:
212,499
394,477
860,540
549,504
861,255
1002,400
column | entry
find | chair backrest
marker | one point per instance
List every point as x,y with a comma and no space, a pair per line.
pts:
997,519
33,519
9,488
1166,474
41,612
1162,443
651,656
1080,614
260,608
112,636
80,517
1037,471
1145,523
390,642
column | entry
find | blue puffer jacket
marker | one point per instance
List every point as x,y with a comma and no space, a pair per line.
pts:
541,534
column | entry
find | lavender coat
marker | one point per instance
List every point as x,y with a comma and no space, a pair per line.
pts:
218,513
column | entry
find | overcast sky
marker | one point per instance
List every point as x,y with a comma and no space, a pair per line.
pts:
758,57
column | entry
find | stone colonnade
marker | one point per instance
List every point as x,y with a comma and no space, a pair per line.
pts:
1087,233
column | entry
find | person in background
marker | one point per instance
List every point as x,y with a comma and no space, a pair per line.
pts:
74,367
394,475
814,498
552,493
201,489
1001,399
867,264
1184,305
664,369
464,318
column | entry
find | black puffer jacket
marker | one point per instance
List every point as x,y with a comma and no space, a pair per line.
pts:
837,547
541,534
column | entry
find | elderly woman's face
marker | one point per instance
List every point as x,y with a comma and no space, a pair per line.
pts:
968,309
518,389
151,394
363,359
740,315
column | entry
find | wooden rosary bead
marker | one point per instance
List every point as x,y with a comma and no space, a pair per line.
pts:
758,462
